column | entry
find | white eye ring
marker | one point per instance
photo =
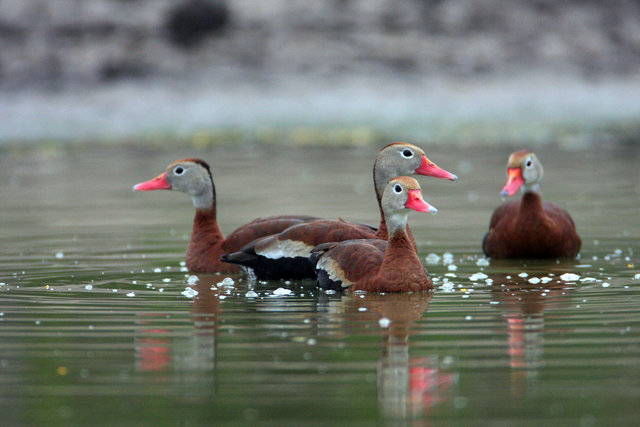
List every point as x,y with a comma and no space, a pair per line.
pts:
407,154
178,170
529,163
397,189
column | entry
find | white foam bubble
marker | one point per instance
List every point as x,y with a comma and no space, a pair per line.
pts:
282,291
432,258
189,292
384,322
447,287
477,276
227,281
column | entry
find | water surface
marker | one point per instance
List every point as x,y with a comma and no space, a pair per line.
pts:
100,323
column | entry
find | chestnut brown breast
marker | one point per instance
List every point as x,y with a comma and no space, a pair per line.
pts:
375,265
530,228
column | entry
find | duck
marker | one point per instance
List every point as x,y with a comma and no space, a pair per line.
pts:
207,243
375,265
285,255
529,227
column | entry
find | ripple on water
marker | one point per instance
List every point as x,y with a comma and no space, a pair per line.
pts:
107,323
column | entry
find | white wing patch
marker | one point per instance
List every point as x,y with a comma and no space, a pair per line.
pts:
333,270
268,247
276,249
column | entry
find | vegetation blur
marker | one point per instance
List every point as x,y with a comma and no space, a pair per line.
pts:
340,71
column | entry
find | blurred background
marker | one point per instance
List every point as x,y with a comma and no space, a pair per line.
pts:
341,71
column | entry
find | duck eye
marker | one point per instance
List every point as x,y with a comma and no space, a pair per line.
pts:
397,189
529,163
407,154
179,170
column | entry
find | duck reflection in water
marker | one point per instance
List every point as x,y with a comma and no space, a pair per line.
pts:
407,386
523,305
156,350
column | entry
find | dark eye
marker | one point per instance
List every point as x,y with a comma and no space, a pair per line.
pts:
407,154
179,170
529,163
397,189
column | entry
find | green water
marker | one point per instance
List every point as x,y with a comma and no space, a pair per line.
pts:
96,330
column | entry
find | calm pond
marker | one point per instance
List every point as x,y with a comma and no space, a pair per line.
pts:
100,324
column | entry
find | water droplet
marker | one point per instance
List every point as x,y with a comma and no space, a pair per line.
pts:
282,292
384,322
189,292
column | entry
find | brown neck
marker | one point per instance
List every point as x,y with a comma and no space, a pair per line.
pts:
400,270
382,228
531,206
382,232
205,246
400,248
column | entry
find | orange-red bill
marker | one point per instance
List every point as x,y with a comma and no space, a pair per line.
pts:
514,182
158,183
427,167
417,203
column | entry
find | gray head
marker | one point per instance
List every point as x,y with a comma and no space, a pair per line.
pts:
400,195
190,176
404,159
525,171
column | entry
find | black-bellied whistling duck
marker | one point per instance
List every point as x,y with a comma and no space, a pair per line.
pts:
207,243
376,265
286,255
529,228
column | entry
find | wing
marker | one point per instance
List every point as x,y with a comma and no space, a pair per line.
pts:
343,264
502,212
261,227
286,255
300,239
570,240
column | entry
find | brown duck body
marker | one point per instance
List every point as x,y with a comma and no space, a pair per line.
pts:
531,228
375,265
286,255
208,244
380,265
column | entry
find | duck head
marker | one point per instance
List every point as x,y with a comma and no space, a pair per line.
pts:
524,170
401,195
190,176
404,159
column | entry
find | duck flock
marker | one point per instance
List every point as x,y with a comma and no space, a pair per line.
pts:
357,257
